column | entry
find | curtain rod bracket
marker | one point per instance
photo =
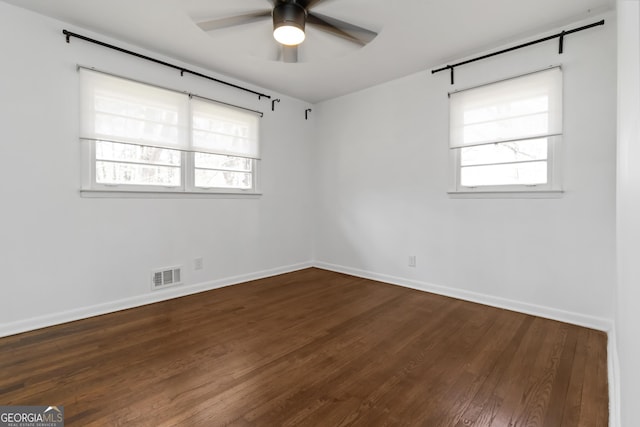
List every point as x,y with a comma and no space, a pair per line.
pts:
273,104
306,113
561,42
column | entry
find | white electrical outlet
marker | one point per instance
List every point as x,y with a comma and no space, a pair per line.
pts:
412,260
198,263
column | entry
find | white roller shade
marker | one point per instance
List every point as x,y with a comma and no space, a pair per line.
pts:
219,129
121,110
524,107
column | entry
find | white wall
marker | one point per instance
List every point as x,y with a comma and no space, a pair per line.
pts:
378,179
378,194
628,292
63,256
382,179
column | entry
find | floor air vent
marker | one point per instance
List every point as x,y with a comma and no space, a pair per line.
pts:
171,276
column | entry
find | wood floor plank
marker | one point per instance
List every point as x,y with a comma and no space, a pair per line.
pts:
425,380
594,389
561,381
384,376
447,406
495,373
526,390
573,402
312,348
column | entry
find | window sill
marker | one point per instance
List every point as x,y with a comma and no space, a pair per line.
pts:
141,194
532,194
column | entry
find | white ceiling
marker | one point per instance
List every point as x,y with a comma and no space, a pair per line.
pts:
414,35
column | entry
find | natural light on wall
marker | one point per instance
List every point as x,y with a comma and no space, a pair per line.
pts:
503,133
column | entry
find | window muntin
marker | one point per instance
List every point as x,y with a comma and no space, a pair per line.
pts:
530,173
141,136
219,171
505,163
503,135
131,164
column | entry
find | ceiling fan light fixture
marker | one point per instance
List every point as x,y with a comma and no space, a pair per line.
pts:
288,35
288,24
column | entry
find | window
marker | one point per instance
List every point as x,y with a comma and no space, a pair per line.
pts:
139,137
225,140
505,136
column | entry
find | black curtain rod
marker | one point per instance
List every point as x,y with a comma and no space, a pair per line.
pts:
259,113
560,35
69,34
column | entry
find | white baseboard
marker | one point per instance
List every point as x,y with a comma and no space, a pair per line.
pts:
123,304
593,322
166,294
613,369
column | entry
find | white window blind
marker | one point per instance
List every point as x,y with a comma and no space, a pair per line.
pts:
139,136
526,107
219,129
120,110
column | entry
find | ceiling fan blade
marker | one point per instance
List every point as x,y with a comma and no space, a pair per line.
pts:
289,54
342,29
231,21
308,4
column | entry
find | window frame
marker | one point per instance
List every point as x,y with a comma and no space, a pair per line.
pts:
551,188
187,178
90,187
554,144
191,187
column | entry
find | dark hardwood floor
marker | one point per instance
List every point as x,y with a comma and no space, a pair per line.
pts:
312,348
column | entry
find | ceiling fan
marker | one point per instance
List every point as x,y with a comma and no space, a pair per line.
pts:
289,20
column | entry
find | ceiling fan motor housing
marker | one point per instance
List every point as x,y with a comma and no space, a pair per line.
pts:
289,14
